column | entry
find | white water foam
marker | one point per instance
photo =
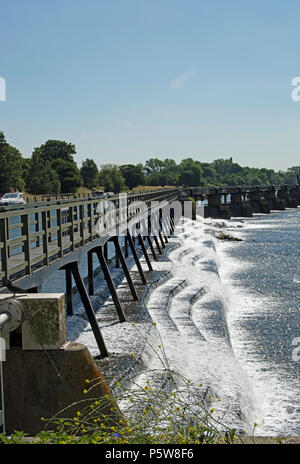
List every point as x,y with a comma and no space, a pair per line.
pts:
273,393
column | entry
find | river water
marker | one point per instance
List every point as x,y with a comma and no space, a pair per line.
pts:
262,273
229,318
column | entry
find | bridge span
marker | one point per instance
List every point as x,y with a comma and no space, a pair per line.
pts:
39,238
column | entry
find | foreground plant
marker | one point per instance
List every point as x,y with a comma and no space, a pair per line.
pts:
178,414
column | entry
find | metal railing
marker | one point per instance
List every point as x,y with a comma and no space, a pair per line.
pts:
35,235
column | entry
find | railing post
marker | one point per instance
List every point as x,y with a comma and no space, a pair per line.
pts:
72,231
59,232
26,245
37,229
4,249
45,237
90,227
81,213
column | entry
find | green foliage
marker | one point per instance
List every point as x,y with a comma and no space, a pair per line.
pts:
190,172
11,167
111,178
41,178
133,175
56,149
52,169
68,174
89,173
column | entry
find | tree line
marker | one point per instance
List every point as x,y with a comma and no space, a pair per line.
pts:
52,169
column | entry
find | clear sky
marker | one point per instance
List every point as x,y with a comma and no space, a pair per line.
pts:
126,80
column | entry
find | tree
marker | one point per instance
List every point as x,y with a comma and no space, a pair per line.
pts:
68,174
153,166
133,175
58,169
190,172
56,149
41,177
11,168
111,178
89,172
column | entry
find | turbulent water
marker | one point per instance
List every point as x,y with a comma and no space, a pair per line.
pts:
230,314
263,276
229,319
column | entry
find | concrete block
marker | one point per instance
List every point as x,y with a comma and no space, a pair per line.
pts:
45,321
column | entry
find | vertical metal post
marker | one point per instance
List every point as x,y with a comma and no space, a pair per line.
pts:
142,245
90,272
110,283
45,237
26,232
151,247
125,268
72,230
116,255
88,307
5,247
37,229
59,233
157,244
90,227
82,223
106,251
69,292
136,258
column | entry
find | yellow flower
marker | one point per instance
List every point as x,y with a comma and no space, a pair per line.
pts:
212,410
87,381
85,391
159,346
132,355
133,324
118,384
154,323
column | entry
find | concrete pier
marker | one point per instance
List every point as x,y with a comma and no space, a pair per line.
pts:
272,200
258,202
215,208
289,201
238,206
294,193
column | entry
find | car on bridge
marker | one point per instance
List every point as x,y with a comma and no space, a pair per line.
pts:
12,198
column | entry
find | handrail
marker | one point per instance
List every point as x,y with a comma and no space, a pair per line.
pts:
34,235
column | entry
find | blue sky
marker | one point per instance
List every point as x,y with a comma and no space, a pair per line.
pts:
126,80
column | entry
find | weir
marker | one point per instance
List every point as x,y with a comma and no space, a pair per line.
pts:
41,239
